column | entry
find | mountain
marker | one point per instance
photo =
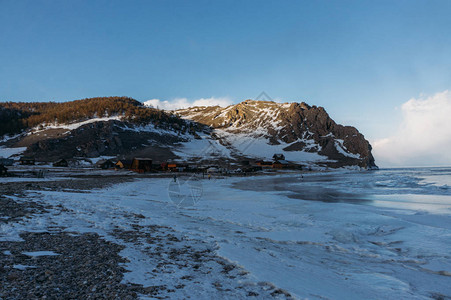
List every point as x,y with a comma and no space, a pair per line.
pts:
89,128
121,126
303,133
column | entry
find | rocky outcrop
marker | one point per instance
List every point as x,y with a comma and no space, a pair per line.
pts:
301,126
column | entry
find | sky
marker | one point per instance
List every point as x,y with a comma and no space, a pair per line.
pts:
375,65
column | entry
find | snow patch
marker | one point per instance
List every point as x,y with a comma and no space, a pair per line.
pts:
7,152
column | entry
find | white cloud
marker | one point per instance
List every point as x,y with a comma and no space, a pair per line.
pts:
424,136
178,103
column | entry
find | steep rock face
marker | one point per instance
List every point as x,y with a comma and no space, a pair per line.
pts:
299,126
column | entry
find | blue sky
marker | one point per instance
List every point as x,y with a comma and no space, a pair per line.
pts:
361,60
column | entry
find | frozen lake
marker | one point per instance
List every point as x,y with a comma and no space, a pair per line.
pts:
426,189
340,235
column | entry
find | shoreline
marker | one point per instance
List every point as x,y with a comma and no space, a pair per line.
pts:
215,247
102,257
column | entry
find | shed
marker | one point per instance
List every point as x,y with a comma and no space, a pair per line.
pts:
141,165
27,160
61,163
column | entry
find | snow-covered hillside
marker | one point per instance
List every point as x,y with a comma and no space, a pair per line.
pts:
303,133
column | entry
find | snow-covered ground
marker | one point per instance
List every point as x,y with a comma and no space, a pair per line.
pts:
7,152
75,125
325,247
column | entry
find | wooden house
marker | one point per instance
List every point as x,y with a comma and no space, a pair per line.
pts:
27,160
105,164
141,165
61,163
264,164
281,164
124,164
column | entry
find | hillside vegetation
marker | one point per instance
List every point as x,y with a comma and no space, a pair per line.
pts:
15,116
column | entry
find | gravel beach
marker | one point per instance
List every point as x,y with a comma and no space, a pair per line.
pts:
56,263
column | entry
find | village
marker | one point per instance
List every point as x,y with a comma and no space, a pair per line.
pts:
24,166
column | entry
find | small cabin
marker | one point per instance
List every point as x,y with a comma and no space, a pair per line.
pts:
281,164
27,160
3,170
264,164
141,165
124,164
105,164
61,163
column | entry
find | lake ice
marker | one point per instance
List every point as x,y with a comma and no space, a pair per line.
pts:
338,235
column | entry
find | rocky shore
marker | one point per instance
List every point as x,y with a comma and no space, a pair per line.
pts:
54,262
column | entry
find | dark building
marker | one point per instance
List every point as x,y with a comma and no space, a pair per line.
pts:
141,165
105,164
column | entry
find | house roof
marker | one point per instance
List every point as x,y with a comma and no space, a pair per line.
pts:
140,158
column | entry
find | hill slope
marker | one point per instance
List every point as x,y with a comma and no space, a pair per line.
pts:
301,132
120,126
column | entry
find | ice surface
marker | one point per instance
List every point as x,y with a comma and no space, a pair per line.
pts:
306,235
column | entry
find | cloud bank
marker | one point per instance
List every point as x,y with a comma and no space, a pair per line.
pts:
178,103
424,136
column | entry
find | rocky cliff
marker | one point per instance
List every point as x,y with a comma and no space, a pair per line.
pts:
292,128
